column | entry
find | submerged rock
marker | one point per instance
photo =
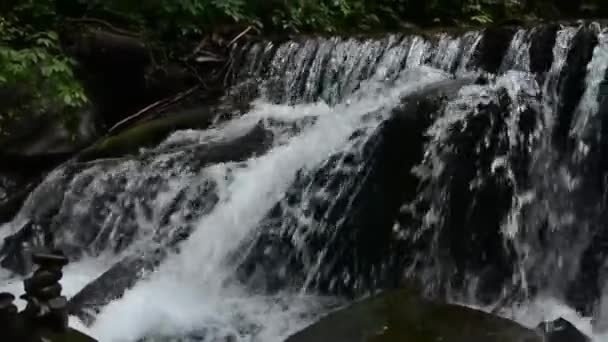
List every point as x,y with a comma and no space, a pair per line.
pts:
561,330
400,316
492,48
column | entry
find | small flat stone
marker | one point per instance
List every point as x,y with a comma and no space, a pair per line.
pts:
48,292
49,260
59,303
40,279
33,306
6,304
6,297
561,330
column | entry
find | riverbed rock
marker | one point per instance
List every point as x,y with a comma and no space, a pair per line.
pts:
492,48
400,315
359,252
60,227
541,48
561,330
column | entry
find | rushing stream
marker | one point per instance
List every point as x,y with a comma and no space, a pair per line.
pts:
331,186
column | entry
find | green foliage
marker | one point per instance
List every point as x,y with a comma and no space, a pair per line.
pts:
34,70
31,57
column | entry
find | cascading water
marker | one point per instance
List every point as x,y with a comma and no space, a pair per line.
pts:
365,162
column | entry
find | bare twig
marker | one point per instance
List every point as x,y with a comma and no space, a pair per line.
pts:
106,24
240,35
209,57
157,104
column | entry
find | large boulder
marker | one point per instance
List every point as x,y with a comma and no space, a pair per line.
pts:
361,251
400,315
541,48
561,330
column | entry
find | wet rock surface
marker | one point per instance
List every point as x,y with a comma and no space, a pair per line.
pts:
400,315
561,330
362,243
492,48
541,48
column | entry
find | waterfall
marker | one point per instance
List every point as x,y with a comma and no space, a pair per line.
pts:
467,163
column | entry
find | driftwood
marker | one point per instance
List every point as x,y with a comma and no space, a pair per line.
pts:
156,106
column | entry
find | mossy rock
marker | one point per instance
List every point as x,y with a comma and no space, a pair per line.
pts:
146,134
70,336
401,316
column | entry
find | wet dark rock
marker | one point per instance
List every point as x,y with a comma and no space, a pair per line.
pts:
35,139
7,307
49,261
49,226
492,48
541,48
111,285
561,330
113,70
399,316
471,236
42,278
12,198
123,275
58,303
47,293
147,134
131,140
361,246
46,311
14,251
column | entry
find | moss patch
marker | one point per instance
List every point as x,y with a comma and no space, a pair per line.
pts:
146,134
402,316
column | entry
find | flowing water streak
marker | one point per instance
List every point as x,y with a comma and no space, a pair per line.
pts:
518,54
563,42
586,125
470,44
543,155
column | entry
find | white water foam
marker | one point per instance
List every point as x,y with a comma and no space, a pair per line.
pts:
194,290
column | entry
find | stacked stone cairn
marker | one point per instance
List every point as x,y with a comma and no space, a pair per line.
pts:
45,317
46,307
8,316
